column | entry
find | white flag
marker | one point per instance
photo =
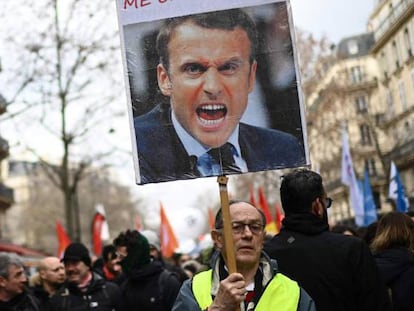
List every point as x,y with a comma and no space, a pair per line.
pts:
105,236
393,187
348,178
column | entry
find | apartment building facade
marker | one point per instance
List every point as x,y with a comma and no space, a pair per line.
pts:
367,88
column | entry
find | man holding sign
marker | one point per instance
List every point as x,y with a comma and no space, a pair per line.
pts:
257,285
207,70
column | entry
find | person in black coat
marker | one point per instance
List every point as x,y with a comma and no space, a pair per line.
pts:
14,295
393,248
148,286
337,271
84,290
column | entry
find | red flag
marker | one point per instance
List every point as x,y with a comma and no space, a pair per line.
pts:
252,198
270,224
100,230
279,216
169,242
211,218
97,224
63,239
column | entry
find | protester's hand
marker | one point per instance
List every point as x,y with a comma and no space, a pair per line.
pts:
231,292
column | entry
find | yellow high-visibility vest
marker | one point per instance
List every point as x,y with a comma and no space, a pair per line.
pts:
281,293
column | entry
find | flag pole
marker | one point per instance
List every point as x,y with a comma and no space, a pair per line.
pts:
228,236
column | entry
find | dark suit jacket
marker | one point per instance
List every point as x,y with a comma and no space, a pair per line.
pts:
162,156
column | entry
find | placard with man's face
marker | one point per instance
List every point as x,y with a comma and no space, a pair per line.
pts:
212,88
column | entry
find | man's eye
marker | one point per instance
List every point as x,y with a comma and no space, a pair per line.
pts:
255,227
194,69
229,68
237,227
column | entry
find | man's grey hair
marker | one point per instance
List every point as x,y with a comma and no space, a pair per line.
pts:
7,260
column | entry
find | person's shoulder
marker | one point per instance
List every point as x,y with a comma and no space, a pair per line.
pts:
158,115
277,147
266,133
345,239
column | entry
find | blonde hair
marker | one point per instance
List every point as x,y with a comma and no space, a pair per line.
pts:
394,230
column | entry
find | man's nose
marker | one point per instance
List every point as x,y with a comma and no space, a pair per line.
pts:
212,82
23,278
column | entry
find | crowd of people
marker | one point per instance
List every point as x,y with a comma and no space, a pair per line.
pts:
306,266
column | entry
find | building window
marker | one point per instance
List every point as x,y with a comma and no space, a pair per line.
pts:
365,135
403,98
353,47
390,103
370,165
408,43
412,79
356,74
396,55
407,131
384,64
361,104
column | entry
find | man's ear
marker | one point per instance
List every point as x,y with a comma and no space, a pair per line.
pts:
317,207
3,281
164,82
252,76
42,274
217,239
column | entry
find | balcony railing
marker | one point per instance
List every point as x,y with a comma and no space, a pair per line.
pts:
402,152
398,10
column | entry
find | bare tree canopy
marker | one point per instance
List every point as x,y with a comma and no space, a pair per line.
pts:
62,80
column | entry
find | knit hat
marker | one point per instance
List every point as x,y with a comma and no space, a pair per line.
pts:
78,252
152,238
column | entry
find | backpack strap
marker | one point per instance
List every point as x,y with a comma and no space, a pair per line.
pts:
162,281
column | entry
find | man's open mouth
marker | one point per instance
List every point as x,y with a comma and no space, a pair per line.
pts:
211,114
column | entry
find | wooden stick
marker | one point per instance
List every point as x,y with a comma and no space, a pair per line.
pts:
227,232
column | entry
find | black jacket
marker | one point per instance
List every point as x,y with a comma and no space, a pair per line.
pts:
145,291
100,295
337,271
22,302
43,297
396,266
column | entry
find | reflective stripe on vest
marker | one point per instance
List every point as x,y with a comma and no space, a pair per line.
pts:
281,291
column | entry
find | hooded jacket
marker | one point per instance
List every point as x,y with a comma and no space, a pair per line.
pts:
144,291
338,271
396,266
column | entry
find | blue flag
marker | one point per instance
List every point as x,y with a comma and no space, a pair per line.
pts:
396,190
370,210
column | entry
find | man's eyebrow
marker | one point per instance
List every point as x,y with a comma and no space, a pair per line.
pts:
192,63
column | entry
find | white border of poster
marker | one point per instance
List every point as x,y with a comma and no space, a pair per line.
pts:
137,18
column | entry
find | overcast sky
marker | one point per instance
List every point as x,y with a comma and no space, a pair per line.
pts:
336,19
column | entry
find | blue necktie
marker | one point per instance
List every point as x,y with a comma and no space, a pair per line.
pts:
224,156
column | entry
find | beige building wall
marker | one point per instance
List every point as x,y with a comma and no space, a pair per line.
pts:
369,89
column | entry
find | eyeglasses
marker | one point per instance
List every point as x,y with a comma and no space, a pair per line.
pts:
328,202
240,227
